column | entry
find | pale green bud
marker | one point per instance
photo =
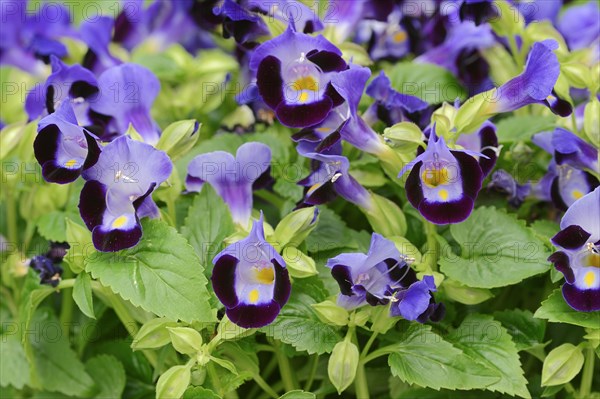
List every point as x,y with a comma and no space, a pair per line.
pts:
385,217
561,365
329,312
342,365
298,263
591,121
178,138
173,383
185,340
153,334
296,226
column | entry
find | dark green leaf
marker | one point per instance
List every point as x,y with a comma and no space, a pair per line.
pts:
331,233
199,393
82,294
522,127
109,375
525,330
429,82
14,369
162,274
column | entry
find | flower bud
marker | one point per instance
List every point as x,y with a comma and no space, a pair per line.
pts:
185,340
153,334
173,382
404,137
561,365
298,263
385,217
466,295
296,226
178,138
343,364
329,312
591,121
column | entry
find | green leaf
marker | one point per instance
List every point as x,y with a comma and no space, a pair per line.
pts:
489,344
14,369
200,393
53,225
331,233
298,323
82,294
298,394
497,250
429,82
526,330
208,223
424,358
562,364
55,366
556,310
161,274
522,127
109,375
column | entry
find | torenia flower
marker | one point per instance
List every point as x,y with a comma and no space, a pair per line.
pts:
503,182
118,192
580,26
330,175
535,85
443,183
239,23
579,256
250,278
232,178
568,178
62,147
293,75
126,94
379,277
64,83
483,141
97,34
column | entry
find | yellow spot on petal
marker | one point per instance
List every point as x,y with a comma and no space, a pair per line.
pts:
399,37
577,194
305,83
435,177
322,129
71,163
265,275
443,194
589,279
119,222
253,296
303,97
592,259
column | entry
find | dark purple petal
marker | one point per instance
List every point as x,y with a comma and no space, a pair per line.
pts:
223,278
112,240
92,203
572,237
562,264
328,61
447,212
303,115
413,187
488,138
470,173
270,82
584,300
253,316
342,275
283,287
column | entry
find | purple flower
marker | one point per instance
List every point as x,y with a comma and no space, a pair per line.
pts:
381,276
293,75
580,26
372,277
291,12
535,85
49,271
478,11
126,95
117,192
503,182
483,141
330,175
239,23
162,24
232,178
567,179
27,38
578,258
250,278
443,184
385,39
65,83
97,35
538,10
62,147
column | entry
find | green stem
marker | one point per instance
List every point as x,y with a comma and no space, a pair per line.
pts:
588,373
360,381
270,197
11,216
66,307
284,368
9,301
365,350
172,212
266,372
265,387
386,350
311,374
432,245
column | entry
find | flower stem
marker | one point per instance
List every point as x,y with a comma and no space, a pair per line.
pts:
360,381
311,375
588,373
66,307
11,216
265,387
432,245
284,368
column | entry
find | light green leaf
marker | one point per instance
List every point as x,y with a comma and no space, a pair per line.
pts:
298,394
496,250
82,294
556,310
53,226
562,364
522,127
298,323
429,82
489,344
526,330
55,366
109,375
161,274
14,369
331,233
424,358
200,393
208,223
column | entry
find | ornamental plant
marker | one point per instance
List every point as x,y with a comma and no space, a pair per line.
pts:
300,199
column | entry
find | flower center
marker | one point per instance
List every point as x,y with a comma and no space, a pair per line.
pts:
591,260
264,274
119,222
71,163
435,177
305,83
